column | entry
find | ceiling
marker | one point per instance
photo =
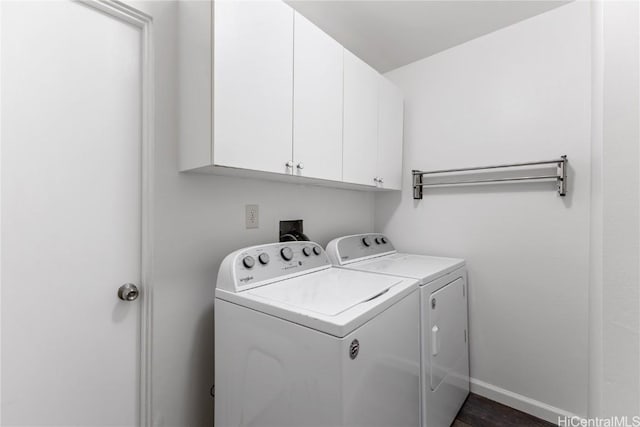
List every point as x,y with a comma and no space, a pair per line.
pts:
388,34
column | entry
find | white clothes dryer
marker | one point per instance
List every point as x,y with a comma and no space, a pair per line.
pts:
301,343
443,316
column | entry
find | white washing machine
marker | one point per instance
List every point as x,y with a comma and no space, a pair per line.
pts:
443,316
301,343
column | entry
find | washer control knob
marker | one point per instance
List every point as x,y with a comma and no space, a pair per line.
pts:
378,240
248,262
383,240
263,258
287,253
306,251
366,241
317,250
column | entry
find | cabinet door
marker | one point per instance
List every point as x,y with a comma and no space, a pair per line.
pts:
360,121
253,85
317,102
390,131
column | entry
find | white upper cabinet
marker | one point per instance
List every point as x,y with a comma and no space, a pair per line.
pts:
253,85
360,132
265,93
317,102
390,132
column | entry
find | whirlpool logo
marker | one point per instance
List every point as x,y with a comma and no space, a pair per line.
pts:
246,279
354,349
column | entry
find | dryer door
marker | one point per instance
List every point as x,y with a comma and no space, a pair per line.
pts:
447,331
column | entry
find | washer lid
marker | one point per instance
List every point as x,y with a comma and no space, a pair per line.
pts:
420,267
335,300
327,294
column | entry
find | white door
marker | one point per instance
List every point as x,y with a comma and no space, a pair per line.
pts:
253,85
360,121
71,142
317,102
390,131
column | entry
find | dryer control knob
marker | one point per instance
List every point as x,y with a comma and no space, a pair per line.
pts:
306,251
366,241
378,240
383,240
317,250
248,261
287,253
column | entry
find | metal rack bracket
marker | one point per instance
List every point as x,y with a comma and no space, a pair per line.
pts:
560,176
417,185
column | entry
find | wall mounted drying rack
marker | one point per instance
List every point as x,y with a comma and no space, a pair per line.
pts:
560,176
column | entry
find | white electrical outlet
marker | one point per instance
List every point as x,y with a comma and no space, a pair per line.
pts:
251,216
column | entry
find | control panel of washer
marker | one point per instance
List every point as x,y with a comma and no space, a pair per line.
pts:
348,249
258,265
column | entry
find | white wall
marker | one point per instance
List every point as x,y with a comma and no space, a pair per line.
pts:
519,94
615,303
198,220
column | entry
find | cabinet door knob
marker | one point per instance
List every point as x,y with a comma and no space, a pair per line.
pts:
380,180
289,164
376,179
300,165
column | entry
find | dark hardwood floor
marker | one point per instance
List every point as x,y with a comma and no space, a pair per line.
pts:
479,411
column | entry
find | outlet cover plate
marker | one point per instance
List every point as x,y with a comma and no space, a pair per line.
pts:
252,216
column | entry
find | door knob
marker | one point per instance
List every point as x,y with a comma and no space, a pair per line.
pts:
289,164
128,292
300,165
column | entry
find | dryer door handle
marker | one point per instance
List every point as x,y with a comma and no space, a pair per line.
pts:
434,340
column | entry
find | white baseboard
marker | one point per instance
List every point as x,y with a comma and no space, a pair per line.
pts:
519,402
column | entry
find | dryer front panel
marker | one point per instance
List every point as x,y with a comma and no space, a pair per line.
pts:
447,330
445,350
